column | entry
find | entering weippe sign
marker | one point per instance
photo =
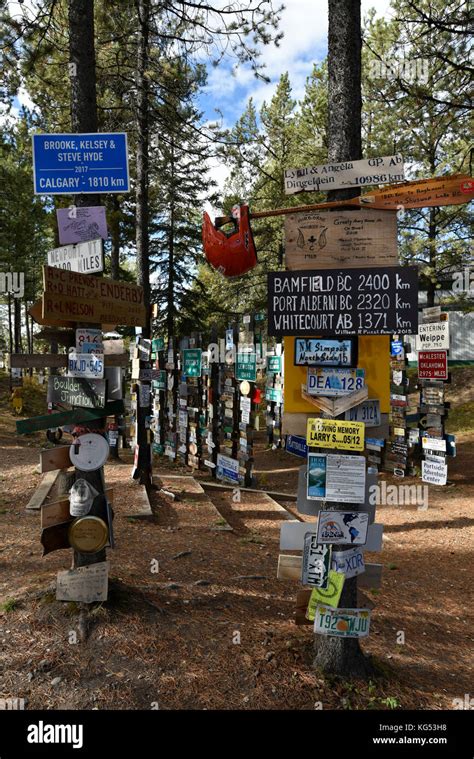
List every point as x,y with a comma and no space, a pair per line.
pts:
70,164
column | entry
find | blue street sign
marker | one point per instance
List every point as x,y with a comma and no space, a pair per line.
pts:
72,164
296,445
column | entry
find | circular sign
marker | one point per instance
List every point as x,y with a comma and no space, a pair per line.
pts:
88,534
193,448
89,452
245,387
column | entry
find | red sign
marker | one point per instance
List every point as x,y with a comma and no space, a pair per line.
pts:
433,365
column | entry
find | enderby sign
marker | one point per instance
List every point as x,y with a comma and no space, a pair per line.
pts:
82,297
375,301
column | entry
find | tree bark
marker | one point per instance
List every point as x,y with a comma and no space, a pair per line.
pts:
343,656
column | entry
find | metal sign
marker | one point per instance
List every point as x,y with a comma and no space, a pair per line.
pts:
296,445
336,478
375,301
335,433
246,367
227,468
350,563
316,562
433,336
88,365
433,365
86,257
273,364
192,359
337,176
89,452
334,382
76,391
342,623
329,595
81,223
313,352
72,164
367,412
343,527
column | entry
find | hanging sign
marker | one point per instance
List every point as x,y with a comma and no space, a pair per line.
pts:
72,164
273,364
86,257
342,623
325,239
334,382
316,562
246,367
80,224
88,365
335,433
376,301
314,352
192,358
85,297
433,336
343,527
433,365
86,393
336,478
337,176
367,412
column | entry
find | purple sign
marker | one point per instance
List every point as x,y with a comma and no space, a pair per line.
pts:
76,224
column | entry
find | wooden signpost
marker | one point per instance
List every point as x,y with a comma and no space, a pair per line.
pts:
335,176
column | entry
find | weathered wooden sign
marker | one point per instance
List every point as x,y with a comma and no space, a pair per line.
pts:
334,382
342,623
325,239
59,511
36,423
319,352
433,365
367,412
55,537
85,257
336,176
343,302
343,527
55,458
81,297
83,585
335,433
434,336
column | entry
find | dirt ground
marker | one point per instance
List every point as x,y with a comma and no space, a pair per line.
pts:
213,628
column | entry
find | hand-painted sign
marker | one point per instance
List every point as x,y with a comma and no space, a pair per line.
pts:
350,563
336,478
227,468
192,359
76,391
80,224
82,297
337,176
313,352
316,562
335,433
433,365
73,164
342,623
84,584
376,301
296,445
325,239
334,382
367,412
273,364
86,257
88,365
246,366
329,595
433,336
343,527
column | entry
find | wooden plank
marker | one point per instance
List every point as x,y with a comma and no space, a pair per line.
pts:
36,423
324,239
84,297
42,491
58,360
57,512
289,568
36,313
55,458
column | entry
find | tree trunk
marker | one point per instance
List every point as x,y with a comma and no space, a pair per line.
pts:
142,219
343,656
84,119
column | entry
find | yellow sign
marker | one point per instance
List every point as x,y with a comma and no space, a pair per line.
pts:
329,596
335,433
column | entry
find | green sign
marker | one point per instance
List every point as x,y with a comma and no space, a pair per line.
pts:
36,423
158,344
246,367
260,317
158,448
159,383
192,358
273,364
271,394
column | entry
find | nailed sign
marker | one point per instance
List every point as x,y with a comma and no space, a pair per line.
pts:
335,433
89,365
313,352
86,257
334,382
316,561
367,412
86,393
342,623
433,336
336,176
343,527
433,365
246,366
336,478
81,297
79,224
325,239
344,302
192,358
